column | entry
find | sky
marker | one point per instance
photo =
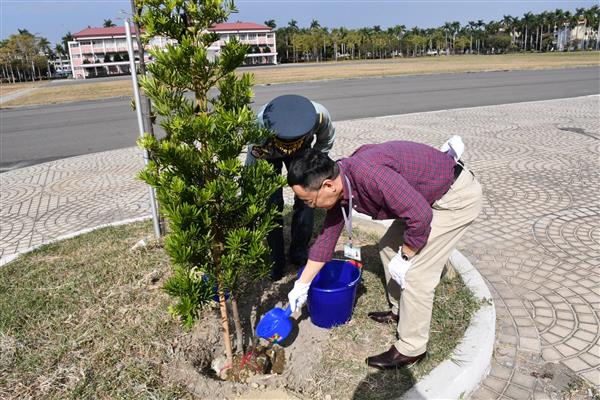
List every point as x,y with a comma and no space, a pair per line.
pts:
53,18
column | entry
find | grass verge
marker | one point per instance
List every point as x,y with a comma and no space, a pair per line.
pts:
86,318
334,70
8,88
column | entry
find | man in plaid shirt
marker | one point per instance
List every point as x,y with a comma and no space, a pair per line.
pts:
432,198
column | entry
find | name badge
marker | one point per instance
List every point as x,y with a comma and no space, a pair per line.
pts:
352,252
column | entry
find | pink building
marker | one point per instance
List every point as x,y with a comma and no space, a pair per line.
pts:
260,38
99,52
96,52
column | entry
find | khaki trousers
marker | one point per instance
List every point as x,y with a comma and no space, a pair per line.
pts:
452,214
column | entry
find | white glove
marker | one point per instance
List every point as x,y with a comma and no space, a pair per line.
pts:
298,295
398,268
454,147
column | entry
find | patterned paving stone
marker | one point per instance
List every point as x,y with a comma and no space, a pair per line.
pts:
536,243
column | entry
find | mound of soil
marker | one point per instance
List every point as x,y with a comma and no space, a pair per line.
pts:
194,353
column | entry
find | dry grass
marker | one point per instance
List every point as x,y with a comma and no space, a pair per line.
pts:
335,70
85,318
74,92
425,65
8,88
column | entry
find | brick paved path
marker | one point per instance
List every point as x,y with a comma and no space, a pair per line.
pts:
537,243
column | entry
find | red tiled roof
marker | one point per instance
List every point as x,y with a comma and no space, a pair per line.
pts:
92,32
120,30
239,26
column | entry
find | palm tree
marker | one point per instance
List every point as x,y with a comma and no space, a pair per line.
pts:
271,23
455,29
336,37
508,22
542,21
59,49
68,37
447,28
108,23
397,31
291,30
535,22
593,17
527,20
471,27
314,24
480,29
568,24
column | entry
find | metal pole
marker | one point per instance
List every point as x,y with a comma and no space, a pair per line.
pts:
138,112
145,100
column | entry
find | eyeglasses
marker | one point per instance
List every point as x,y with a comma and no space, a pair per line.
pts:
312,203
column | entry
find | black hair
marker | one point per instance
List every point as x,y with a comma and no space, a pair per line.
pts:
310,168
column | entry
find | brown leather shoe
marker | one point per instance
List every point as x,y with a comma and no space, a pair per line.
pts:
383,317
392,359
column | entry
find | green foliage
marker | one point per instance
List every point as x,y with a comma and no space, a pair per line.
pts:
216,206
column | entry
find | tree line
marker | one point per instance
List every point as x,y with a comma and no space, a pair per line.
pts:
25,56
546,31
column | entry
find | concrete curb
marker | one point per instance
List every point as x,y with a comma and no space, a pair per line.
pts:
470,362
5,260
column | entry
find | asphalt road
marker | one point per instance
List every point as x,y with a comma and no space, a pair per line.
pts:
32,135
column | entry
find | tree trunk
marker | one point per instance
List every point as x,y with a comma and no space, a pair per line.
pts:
216,253
238,326
225,324
598,37
287,50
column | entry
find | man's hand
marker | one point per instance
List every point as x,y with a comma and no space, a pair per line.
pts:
298,295
398,268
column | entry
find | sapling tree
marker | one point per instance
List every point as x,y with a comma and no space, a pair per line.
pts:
217,207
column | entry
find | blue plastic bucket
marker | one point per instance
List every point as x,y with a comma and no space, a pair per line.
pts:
275,325
332,293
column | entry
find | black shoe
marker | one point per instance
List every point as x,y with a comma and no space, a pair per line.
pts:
392,359
383,317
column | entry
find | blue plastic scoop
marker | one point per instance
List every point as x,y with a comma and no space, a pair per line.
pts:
275,325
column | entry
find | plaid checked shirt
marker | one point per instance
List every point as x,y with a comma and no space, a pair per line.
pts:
389,181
